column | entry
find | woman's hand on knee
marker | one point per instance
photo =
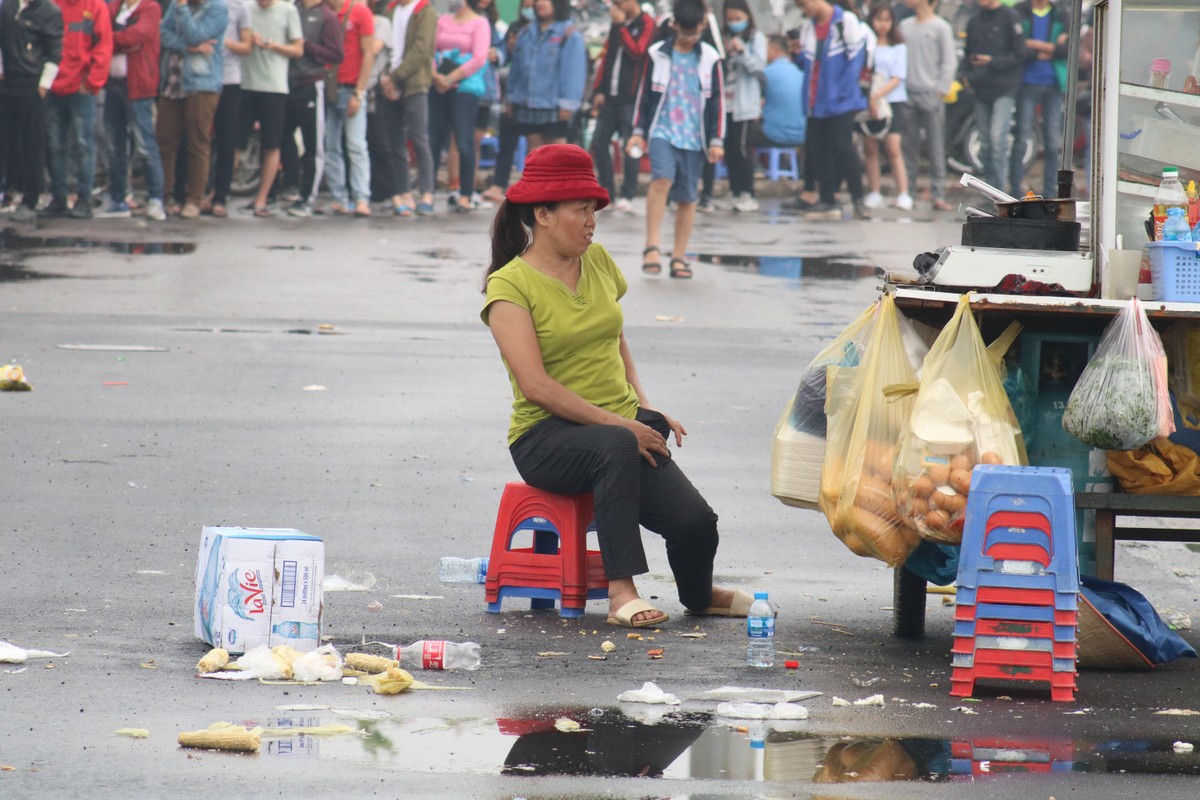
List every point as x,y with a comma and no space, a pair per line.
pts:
649,441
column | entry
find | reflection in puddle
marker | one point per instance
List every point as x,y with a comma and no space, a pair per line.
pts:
846,268
695,745
11,241
11,273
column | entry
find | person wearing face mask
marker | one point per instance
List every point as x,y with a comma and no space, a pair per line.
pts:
745,60
619,70
548,75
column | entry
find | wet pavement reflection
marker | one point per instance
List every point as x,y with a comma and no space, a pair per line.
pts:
796,268
19,243
697,745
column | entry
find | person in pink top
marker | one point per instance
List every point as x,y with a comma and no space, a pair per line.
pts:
460,51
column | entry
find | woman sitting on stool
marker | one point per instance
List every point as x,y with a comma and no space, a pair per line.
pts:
580,420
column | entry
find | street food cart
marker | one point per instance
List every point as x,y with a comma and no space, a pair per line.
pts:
1143,120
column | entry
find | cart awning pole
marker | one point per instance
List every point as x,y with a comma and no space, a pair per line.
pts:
1066,171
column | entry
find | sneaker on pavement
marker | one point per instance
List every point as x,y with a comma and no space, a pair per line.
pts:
120,210
860,210
300,209
873,200
705,205
904,202
24,214
798,204
155,210
452,200
624,205
826,211
745,203
189,211
289,195
56,209
479,201
81,210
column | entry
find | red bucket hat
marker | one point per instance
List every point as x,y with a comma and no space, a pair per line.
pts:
556,173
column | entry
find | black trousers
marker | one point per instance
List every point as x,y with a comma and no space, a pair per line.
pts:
831,157
23,140
306,111
226,127
564,457
615,117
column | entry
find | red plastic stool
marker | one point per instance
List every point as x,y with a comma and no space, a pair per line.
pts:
558,566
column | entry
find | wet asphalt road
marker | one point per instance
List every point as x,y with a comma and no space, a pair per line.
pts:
112,465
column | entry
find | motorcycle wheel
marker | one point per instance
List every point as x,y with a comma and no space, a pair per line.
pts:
248,169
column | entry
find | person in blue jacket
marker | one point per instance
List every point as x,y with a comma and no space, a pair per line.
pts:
193,35
833,47
548,74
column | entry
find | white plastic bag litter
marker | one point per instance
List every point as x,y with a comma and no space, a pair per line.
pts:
11,654
262,663
649,693
762,711
322,664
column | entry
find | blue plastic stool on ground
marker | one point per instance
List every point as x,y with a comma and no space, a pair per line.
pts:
772,160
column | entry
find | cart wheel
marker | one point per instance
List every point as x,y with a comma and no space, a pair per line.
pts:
908,602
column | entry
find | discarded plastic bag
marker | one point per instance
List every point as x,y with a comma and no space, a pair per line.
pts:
12,379
753,694
322,664
264,663
960,417
864,426
649,693
11,654
1121,401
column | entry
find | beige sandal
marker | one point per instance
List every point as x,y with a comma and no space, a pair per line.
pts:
625,615
740,607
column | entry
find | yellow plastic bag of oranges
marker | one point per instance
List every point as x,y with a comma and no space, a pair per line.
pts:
960,417
863,427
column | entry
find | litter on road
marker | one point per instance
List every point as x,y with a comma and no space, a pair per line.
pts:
11,654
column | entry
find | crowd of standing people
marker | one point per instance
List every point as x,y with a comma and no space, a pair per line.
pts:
347,94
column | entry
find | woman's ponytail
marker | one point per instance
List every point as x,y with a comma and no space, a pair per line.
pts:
510,233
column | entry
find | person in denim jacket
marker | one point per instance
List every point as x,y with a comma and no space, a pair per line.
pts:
548,75
191,76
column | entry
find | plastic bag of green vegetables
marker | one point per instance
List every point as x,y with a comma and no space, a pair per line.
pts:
1121,402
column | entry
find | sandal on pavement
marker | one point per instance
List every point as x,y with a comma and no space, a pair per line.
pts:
740,607
218,210
940,205
626,613
339,210
262,212
684,270
403,211
652,267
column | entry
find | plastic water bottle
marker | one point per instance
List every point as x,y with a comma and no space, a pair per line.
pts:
760,632
1176,228
1170,195
462,570
431,654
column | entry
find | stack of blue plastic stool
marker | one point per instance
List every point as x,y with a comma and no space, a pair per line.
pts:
1018,581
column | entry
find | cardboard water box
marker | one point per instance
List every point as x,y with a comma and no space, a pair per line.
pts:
259,586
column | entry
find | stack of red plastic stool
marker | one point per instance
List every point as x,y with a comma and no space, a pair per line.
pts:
1005,756
1018,581
558,566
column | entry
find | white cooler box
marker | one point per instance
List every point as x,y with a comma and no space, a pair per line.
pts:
259,586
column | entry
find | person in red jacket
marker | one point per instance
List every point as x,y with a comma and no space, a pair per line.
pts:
129,104
71,106
619,72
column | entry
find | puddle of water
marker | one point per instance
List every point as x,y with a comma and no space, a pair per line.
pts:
439,253
695,745
11,273
301,247
841,267
11,241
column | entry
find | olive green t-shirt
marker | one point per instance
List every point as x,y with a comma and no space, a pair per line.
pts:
579,333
